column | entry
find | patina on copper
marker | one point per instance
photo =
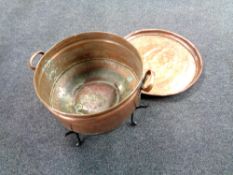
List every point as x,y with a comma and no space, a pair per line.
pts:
91,82
175,60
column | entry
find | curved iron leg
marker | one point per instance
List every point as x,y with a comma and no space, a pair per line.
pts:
142,106
69,132
80,142
132,122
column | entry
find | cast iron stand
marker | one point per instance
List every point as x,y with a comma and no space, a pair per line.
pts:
80,142
132,123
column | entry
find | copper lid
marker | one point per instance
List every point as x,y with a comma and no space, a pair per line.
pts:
175,60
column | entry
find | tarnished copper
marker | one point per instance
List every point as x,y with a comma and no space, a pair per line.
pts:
91,82
175,60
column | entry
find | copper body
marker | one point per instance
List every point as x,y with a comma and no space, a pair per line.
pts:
91,82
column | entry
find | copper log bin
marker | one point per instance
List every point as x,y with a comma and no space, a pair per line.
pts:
91,82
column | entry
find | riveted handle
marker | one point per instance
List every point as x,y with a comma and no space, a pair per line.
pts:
148,81
30,62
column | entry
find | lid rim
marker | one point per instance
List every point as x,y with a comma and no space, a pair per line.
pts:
192,49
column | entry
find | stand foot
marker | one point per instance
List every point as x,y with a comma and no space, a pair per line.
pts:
80,142
142,106
132,122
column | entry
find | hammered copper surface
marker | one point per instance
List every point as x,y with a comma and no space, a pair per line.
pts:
175,61
92,86
91,82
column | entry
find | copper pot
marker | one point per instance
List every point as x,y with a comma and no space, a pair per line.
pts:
91,82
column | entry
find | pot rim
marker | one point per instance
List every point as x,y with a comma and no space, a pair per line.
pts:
75,115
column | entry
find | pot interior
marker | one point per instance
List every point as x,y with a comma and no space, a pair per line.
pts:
88,73
92,86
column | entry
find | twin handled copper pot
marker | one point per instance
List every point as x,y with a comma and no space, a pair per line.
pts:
91,82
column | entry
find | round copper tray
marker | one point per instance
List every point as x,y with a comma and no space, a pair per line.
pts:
176,62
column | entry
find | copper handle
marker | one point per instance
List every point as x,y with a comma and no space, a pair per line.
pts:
148,81
32,58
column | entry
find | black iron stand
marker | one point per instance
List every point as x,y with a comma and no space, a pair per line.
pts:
80,142
142,106
132,122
